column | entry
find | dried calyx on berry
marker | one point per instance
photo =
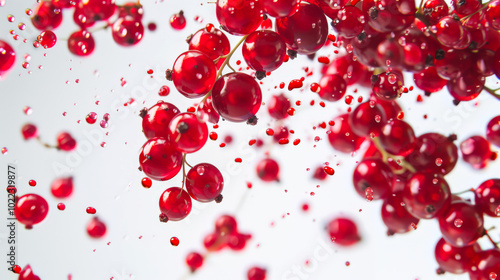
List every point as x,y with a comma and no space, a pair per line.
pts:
168,75
260,75
253,120
292,54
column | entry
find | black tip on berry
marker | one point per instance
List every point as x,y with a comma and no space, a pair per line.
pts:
168,75
390,232
182,127
218,199
181,12
374,79
265,17
452,137
439,54
473,45
373,13
311,56
143,112
456,102
188,39
440,271
427,93
456,17
429,60
292,54
140,168
362,36
260,75
253,120
163,218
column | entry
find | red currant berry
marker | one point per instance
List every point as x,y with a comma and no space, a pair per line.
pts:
175,203
47,39
350,22
194,260
214,242
455,259
256,273
7,58
397,137
239,17
476,151
434,10
97,9
332,87
452,64
493,14
372,177
81,43
47,16
305,31
62,187
236,97
31,209
96,228
486,266
237,241
395,216
487,197
204,182
178,21
449,31
428,80
264,50
343,231
278,106
155,122
66,142
29,131
127,32
280,8
159,159
426,195
367,119
268,170
206,111
174,241
350,70
188,133
493,131
466,86
226,225
388,86
193,74
212,42
461,224
82,20
132,10
432,149
341,136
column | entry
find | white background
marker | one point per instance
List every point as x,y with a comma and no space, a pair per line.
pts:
108,178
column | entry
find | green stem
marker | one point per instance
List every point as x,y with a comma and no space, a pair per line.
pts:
400,160
493,92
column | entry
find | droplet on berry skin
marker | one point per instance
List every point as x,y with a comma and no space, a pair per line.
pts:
81,43
174,241
91,210
458,222
146,182
96,228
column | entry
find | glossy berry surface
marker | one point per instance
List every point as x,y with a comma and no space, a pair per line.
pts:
175,203
97,9
305,31
256,273
397,137
341,136
194,261
159,159
62,187
7,57
461,224
395,216
268,170
127,32
29,131
239,17
278,106
332,87
187,132
47,16
66,142
155,122
47,39
27,274
372,179
193,74
487,197
236,97
31,209
81,43
343,231
349,22
178,21
368,118
264,50
432,149
429,80
96,228
204,182
493,131
476,151
212,42
426,195
455,259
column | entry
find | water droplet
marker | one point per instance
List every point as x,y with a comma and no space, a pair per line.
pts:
21,26
200,170
369,194
458,223
27,110
106,117
392,78
493,276
414,226
29,12
439,161
11,18
4,150
91,118
103,144
103,124
26,65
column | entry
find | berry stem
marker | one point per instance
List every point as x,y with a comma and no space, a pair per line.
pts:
400,160
489,237
45,144
464,191
183,171
493,92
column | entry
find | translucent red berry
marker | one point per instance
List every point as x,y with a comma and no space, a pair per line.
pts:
426,195
204,182
194,261
264,50
193,74
397,137
96,228
62,187
341,136
7,58
256,273
31,209
127,32
47,16
187,132
368,118
239,17
395,216
66,142
97,9
455,259
268,170
159,159
47,39
29,131
332,87
493,131
81,43
343,231
468,230
155,122
27,274
175,203
429,148
212,42
375,175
